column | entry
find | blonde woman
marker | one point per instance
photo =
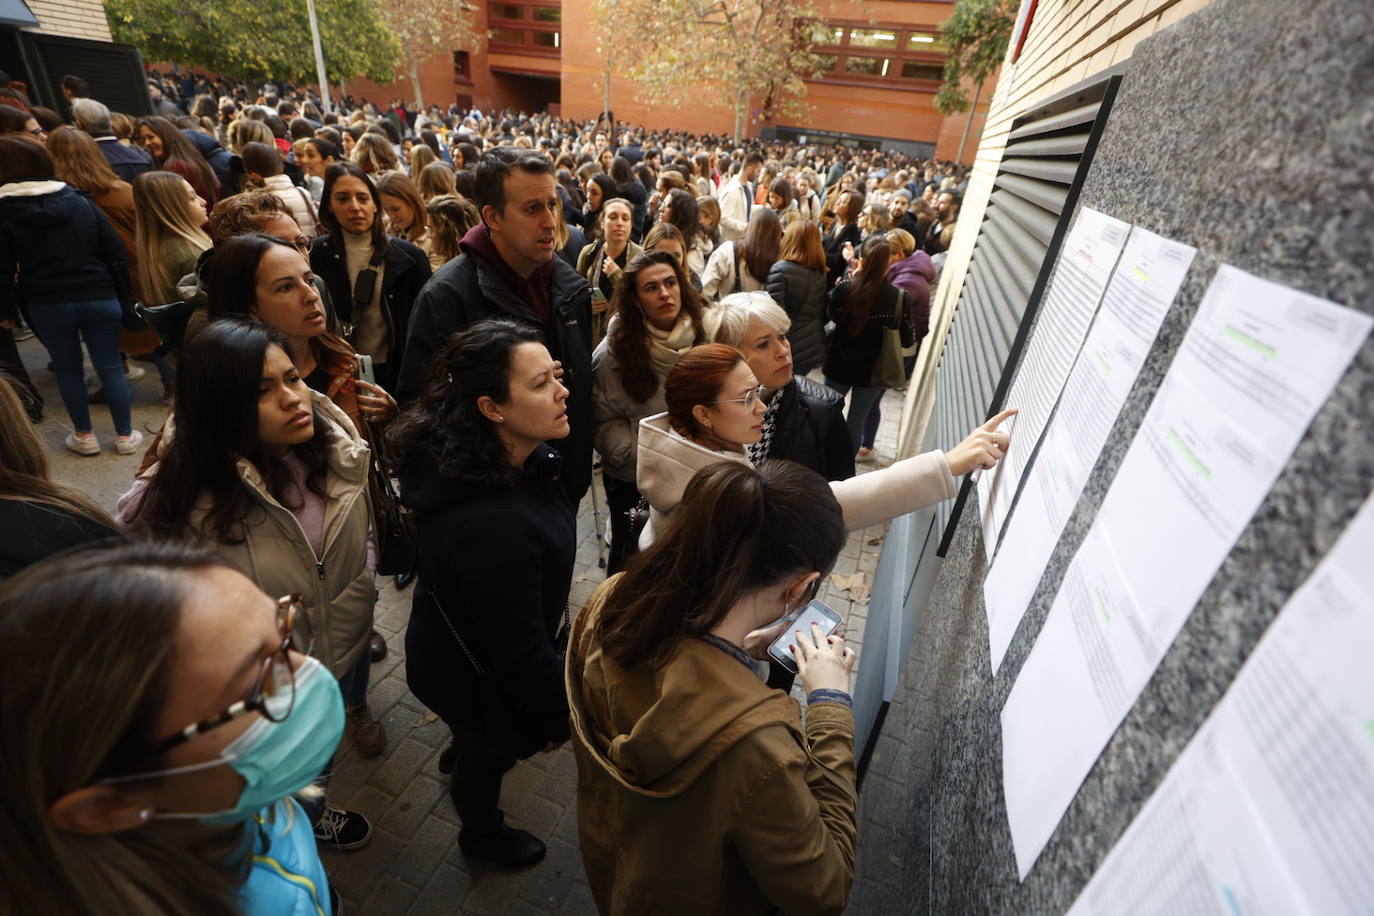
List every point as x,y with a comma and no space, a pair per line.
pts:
169,237
420,156
436,180
405,213
78,161
450,218
245,131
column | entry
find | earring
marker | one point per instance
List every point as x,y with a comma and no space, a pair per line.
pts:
145,814
500,419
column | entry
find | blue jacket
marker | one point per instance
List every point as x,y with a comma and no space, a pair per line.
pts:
128,162
287,878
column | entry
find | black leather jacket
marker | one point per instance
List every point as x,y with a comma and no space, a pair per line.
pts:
809,429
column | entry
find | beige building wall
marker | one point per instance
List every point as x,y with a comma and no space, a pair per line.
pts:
1068,41
72,18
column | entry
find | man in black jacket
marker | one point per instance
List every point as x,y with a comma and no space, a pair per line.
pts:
508,269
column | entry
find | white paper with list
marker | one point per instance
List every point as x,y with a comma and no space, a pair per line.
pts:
1080,277
1257,363
1269,808
1138,296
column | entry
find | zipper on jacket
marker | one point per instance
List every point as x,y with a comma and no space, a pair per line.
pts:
319,568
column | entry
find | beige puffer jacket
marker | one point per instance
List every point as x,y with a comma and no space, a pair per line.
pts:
667,462
339,586
297,201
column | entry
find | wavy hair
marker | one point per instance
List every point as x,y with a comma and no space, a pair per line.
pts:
475,362
629,335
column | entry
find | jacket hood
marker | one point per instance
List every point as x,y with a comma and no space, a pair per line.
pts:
916,263
656,731
666,462
42,201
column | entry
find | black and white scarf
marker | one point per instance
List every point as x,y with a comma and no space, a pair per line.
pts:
759,450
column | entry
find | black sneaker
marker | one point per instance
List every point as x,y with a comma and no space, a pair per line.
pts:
511,847
343,830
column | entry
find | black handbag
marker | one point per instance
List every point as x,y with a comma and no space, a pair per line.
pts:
170,321
395,524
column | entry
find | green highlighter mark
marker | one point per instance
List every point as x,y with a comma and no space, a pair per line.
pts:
1263,349
1101,605
1369,727
1188,454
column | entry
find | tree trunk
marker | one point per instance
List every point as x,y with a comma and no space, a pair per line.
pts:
968,123
415,82
741,99
606,84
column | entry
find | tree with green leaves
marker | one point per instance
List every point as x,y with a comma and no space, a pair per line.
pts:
729,50
426,28
976,35
259,40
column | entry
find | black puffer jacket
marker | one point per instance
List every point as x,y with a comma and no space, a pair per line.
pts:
801,293
497,562
809,429
468,289
30,532
405,271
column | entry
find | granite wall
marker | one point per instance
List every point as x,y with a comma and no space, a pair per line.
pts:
1247,131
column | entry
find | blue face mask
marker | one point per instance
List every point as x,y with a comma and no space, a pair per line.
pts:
276,759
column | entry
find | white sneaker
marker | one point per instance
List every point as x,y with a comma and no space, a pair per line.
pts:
84,443
127,445
134,373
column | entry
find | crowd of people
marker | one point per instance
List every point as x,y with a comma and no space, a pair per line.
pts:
399,343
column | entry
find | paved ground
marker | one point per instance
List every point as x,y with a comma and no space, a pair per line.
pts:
413,865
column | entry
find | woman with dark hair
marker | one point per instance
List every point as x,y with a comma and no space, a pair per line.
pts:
655,318
844,237
796,281
372,279
701,174
496,531
39,516
73,290
742,267
716,410
603,260
863,307
600,188
782,201
314,155
680,209
263,165
151,762
629,188
275,477
172,152
699,788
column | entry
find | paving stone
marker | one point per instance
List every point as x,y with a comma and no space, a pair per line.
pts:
404,763
391,897
414,805
444,894
550,881
579,902
425,852
354,874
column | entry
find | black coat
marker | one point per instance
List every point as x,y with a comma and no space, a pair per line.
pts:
834,251
88,264
498,560
405,270
30,532
638,197
851,359
801,293
466,290
809,429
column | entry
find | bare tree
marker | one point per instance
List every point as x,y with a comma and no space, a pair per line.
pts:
426,28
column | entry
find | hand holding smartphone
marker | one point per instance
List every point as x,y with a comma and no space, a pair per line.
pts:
816,612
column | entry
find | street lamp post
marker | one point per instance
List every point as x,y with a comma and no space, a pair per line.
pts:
319,56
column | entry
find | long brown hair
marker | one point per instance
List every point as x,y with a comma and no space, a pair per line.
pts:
763,238
78,161
737,530
801,242
629,337
866,290
696,378
162,215
86,643
24,469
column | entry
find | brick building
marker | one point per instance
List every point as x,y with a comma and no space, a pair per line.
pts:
886,63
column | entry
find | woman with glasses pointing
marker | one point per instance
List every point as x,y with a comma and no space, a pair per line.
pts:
716,409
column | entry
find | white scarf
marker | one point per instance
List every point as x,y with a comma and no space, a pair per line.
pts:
666,346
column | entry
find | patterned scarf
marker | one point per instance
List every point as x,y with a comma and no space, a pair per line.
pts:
759,450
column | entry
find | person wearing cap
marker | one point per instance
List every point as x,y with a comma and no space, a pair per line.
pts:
900,205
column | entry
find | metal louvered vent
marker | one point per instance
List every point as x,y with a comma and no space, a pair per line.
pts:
1047,155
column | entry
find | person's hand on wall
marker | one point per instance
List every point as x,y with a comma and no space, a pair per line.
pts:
982,448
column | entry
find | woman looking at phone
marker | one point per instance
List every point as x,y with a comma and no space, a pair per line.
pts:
701,789
716,409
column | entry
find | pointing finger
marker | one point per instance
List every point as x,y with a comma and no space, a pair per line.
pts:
997,420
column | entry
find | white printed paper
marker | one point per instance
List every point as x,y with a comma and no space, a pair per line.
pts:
1258,362
1270,808
1080,277
1138,296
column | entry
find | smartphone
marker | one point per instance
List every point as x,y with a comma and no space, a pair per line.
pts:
815,612
365,369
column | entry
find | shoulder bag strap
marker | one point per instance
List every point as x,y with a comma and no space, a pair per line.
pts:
309,204
472,659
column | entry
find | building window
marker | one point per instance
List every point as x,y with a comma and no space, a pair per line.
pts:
462,67
531,26
904,55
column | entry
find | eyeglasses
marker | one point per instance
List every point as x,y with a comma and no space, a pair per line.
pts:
749,400
274,691
302,244
37,132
